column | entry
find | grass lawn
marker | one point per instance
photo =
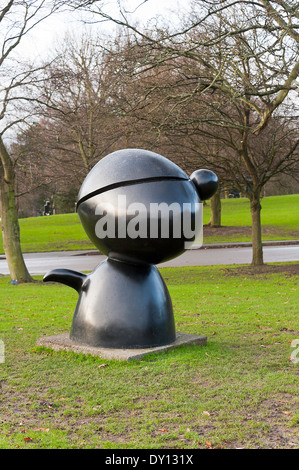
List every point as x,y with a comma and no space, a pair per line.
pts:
280,220
241,390
280,216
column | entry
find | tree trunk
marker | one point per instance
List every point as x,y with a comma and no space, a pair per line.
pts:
9,221
215,220
257,247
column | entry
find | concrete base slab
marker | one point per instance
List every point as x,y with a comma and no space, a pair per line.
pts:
63,342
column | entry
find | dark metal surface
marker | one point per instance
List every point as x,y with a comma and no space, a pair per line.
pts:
120,305
141,250
124,302
123,306
206,183
128,166
68,277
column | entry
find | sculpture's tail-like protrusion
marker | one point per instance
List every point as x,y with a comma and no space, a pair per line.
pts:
73,279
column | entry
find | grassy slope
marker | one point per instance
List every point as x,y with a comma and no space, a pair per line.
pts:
241,390
64,232
280,220
276,210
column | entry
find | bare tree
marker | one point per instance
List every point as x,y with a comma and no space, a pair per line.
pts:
239,60
82,112
79,122
17,19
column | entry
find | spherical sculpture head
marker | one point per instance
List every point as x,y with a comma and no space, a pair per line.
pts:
135,205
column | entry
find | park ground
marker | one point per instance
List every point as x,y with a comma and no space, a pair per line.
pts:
238,391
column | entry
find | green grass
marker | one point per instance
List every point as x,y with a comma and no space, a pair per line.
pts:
241,390
58,232
279,211
280,216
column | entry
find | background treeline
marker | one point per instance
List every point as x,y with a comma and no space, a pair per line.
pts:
216,88
100,95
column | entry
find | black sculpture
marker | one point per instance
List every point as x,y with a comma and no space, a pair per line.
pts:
124,302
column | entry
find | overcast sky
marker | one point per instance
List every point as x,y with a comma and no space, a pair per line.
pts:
52,31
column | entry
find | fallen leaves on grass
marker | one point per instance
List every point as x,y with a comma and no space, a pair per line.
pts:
36,429
210,355
47,404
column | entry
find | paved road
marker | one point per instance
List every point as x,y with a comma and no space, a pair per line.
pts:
40,263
